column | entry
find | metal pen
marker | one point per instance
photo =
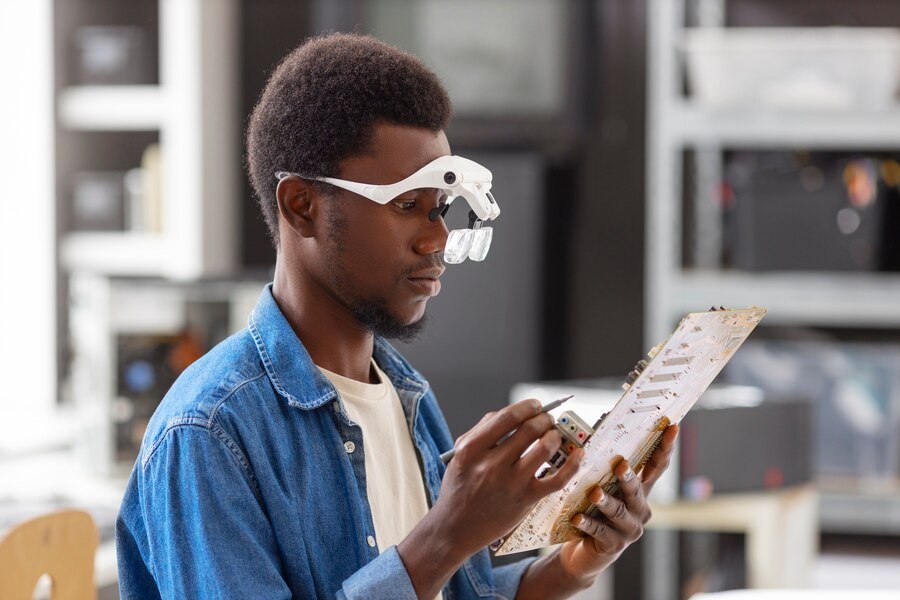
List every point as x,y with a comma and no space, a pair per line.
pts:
446,456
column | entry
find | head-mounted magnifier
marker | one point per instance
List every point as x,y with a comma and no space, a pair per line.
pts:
456,177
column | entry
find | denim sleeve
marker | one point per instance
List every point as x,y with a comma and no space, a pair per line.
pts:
207,533
385,578
507,578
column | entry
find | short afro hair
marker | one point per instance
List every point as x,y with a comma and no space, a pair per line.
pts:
322,103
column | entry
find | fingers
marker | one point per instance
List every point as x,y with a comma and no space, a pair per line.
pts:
617,514
535,428
606,539
489,430
556,481
660,459
621,521
547,445
468,434
631,486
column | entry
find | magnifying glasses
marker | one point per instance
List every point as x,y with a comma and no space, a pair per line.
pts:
472,240
456,177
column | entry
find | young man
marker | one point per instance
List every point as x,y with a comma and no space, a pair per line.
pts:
300,457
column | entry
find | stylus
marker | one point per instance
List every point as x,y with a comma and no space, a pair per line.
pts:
446,456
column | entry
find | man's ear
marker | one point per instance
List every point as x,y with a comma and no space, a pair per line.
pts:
298,203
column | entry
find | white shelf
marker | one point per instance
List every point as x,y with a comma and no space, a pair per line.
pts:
695,124
112,108
829,299
114,253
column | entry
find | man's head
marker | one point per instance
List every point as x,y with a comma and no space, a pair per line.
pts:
352,107
321,104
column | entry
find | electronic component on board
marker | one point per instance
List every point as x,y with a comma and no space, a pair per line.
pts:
575,433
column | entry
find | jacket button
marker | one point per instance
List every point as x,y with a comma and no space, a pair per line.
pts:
370,541
349,447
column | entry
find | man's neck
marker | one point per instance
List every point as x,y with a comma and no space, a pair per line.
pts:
328,330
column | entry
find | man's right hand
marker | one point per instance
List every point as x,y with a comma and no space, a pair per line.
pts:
489,487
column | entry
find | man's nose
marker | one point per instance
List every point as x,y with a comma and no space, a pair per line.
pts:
432,237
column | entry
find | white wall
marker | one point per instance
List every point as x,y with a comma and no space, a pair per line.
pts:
27,220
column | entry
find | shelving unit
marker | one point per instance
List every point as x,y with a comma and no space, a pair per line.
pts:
819,299
193,108
138,280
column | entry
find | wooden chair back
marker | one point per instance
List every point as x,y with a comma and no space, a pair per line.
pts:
61,545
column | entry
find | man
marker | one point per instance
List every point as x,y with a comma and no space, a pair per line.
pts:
300,457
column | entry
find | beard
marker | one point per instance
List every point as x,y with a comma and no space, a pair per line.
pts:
371,312
374,315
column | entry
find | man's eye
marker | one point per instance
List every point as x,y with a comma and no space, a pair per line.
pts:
405,204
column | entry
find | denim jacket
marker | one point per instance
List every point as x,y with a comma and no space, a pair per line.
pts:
246,485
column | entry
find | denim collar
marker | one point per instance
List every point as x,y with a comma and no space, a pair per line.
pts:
291,369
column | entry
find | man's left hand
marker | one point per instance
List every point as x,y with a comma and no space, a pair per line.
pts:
623,518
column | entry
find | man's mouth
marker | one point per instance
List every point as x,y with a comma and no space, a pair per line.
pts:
427,282
432,273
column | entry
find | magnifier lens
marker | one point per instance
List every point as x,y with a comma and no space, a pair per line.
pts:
481,243
458,244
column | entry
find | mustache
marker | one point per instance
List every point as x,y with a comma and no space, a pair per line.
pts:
434,263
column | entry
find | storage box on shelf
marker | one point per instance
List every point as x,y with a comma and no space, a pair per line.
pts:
807,68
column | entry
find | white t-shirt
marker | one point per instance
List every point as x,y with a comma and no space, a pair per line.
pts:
394,482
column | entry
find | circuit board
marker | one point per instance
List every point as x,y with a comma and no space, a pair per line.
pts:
658,393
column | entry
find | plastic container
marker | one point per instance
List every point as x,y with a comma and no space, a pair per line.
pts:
828,68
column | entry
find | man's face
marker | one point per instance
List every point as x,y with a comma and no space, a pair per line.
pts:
383,261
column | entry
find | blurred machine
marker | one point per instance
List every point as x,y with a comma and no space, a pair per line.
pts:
795,211
855,388
131,338
741,443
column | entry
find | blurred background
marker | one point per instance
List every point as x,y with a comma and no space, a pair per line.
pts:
652,158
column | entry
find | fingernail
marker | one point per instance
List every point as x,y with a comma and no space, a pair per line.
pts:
578,521
628,474
601,499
